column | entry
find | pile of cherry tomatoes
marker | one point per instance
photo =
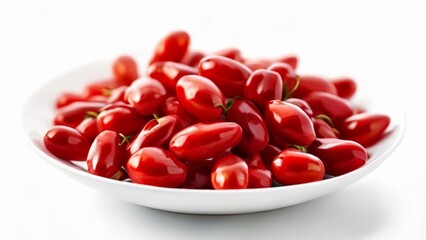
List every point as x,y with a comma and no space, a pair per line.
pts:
213,121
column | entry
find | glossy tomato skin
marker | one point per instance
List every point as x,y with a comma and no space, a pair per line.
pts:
172,47
67,98
294,167
156,133
200,97
125,70
100,88
364,128
72,114
310,84
205,140
324,130
117,94
255,134
287,74
335,107
121,118
106,155
156,167
256,64
339,156
231,53
172,106
192,58
259,175
229,75
230,172
289,123
146,95
89,128
198,174
66,143
268,154
346,87
263,86
302,104
168,73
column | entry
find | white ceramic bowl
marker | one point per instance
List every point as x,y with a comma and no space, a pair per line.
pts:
38,115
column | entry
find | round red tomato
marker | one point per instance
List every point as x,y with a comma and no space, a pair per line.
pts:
230,172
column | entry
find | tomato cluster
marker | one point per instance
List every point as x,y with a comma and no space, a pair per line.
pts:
213,121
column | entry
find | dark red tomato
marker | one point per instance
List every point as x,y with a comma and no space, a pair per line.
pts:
346,87
259,176
288,76
229,75
335,107
339,156
107,154
121,118
156,167
192,58
231,53
200,97
89,128
168,73
302,104
294,167
230,172
323,129
289,123
263,86
156,133
310,84
146,95
268,154
117,95
66,143
255,135
67,98
102,87
72,114
205,140
256,64
364,128
172,47
125,70
198,175
173,107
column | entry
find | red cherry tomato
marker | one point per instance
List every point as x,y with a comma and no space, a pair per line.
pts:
101,87
198,175
259,175
268,154
192,58
146,95
263,86
335,107
200,97
89,128
255,135
289,123
173,107
125,70
287,74
346,87
205,140
107,154
168,73
229,75
66,143
172,47
364,128
156,133
156,167
121,118
291,60
339,156
67,98
294,167
230,172
117,94
309,84
302,104
256,64
72,114
323,129
231,53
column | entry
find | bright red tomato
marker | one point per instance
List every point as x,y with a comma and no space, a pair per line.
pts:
302,104
310,84
229,75
205,140
72,114
173,107
256,64
230,172
339,156
335,107
66,143
89,128
364,128
67,98
294,167
146,95
231,53
192,58
168,73
117,94
172,47
200,97
288,77
100,88
125,70
156,167
346,87
259,175
263,86
324,130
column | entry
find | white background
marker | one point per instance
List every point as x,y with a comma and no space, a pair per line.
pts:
379,43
